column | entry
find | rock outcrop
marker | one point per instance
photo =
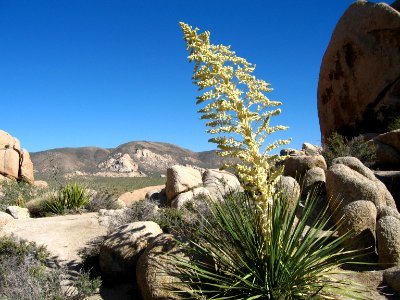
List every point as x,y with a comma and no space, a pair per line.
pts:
121,249
185,183
181,179
15,163
359,81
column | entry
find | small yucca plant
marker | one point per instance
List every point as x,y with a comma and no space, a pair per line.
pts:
232,260
70,197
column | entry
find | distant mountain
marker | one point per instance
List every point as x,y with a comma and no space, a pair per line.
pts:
140,158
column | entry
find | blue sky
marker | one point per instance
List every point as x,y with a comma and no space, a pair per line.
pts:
102,73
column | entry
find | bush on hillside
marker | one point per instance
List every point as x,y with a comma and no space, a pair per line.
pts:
337,145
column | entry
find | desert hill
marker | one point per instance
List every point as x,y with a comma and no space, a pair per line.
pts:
139,158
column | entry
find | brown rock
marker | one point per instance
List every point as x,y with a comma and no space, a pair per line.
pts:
9,163
26,169
188,196
359,82
181,179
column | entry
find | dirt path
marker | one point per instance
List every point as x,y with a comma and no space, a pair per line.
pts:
63,236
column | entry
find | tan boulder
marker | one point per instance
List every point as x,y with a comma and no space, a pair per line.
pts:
26,169
188,196
360,218
5,218
290,190
155,276
181,179
348,180
18,212
359,76
388,236
9,163
297,166
129,198
122,248
220,183
9,142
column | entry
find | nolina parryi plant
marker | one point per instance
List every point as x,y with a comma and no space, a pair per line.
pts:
238,113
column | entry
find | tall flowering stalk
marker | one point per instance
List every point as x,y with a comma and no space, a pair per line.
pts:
238,113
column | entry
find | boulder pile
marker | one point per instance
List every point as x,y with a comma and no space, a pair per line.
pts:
15,162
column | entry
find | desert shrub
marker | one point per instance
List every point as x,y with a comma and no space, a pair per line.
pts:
238,263
24,274
70,198
337,145
394,125
102,200
17,193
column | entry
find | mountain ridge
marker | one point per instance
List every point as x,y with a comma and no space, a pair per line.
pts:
131,159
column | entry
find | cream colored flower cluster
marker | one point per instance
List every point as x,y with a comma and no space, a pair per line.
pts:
238,113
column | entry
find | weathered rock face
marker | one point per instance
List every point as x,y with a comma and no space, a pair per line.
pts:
119,165
121,250
359,81
15,163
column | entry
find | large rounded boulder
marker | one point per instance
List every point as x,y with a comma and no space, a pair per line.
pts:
359,81
348,180
122,248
